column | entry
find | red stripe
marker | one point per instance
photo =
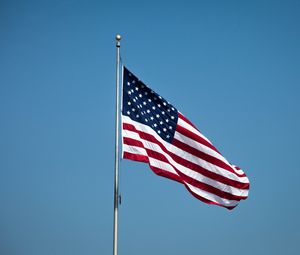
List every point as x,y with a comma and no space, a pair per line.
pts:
135,157
187,163
164,173
185,178
134,142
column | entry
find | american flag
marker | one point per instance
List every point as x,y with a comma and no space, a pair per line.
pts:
155,132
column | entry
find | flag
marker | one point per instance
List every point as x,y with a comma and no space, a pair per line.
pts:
155,132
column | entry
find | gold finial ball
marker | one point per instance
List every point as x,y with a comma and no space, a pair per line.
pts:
118,37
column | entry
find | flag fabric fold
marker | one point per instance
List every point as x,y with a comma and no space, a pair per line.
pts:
155,132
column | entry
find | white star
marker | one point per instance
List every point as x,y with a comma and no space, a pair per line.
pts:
161,123
140,95
128,112
128,83
158,105
165,129
133,100
153,107
149,100
173,109
151,118
163,113
167,120
164,103
129,103
155,98
146,120
157,115
148,111
144,103
172,117
133,109
155,125
168,136
137,116
159,97
133,81
146,93
170,127
158,131
136,88
132,91
129,93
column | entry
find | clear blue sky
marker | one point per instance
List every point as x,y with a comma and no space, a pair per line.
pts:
232,67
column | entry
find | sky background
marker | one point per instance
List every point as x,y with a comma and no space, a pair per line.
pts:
231,67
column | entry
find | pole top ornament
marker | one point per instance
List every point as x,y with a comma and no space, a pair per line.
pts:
118,37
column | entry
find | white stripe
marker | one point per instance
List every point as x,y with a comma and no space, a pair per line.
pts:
183,154
130,134
162,165
134,149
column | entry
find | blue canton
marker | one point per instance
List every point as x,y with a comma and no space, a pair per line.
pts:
143,105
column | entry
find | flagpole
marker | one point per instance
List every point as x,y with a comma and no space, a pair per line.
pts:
116,186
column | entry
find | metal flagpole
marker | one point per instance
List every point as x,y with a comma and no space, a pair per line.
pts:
116,189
